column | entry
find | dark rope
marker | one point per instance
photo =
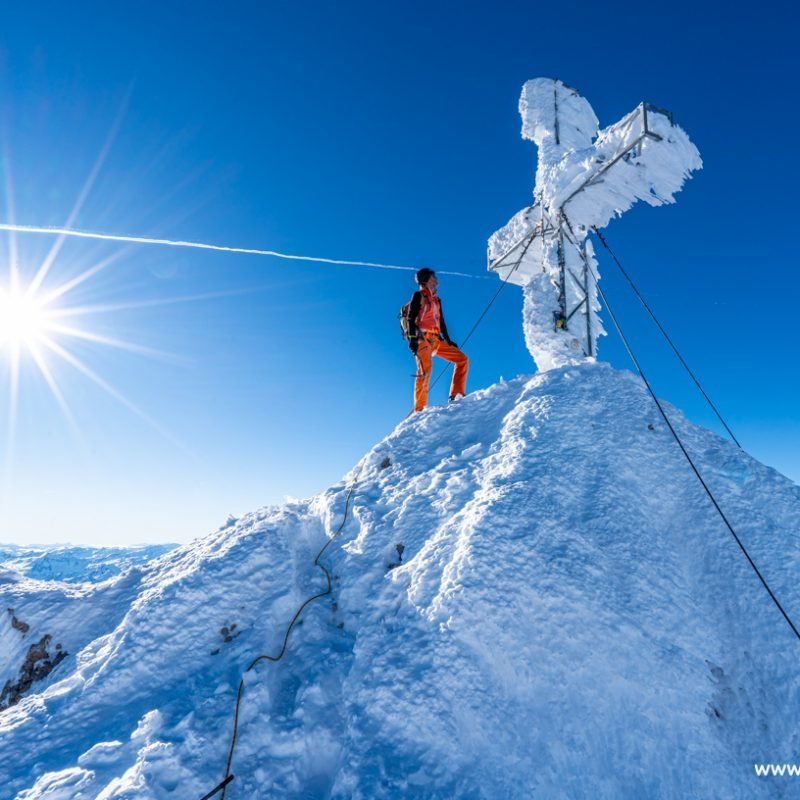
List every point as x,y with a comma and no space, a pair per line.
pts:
665,334
691,462
217,788
223,785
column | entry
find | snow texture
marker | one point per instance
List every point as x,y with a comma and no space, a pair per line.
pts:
568,618
584,178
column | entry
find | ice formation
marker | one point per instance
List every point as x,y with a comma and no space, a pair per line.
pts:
585,176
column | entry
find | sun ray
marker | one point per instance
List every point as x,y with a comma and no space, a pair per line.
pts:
69,285
121,344
104,308
109,389
84,193
57,393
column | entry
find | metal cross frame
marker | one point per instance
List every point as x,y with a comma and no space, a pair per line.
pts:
643,107
547,228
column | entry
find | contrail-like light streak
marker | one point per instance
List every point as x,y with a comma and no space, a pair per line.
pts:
115,237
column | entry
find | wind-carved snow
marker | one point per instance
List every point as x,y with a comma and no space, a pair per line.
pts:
569,619
585,176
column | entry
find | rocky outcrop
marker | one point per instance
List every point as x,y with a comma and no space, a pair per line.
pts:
18,625
39,663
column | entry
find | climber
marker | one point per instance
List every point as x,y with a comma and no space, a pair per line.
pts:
428,337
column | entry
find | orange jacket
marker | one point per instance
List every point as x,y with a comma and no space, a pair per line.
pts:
425,314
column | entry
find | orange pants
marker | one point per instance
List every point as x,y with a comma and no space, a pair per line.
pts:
430,346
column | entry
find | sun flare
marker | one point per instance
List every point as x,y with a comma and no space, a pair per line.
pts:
51,327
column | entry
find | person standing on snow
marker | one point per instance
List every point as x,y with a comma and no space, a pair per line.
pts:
428,337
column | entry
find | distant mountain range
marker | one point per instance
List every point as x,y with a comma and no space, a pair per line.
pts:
73,564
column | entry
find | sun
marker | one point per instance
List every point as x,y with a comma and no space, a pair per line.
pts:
24,319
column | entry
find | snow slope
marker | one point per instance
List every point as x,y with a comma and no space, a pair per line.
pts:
570,620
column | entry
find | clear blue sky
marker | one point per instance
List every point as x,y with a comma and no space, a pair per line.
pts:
369,131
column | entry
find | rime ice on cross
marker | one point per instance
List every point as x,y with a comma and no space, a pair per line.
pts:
584,178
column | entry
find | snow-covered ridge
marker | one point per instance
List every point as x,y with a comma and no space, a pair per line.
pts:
569,619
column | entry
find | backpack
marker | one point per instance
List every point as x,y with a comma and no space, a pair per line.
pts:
405,311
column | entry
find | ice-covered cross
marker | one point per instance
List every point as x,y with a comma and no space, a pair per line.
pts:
584,178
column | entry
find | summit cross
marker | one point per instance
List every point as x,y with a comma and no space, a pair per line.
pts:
585,177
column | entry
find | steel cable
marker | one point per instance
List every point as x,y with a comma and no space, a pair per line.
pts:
665,334
689,459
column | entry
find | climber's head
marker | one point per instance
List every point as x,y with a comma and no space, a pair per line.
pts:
427,277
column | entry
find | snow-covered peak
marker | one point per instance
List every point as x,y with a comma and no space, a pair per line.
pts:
566,618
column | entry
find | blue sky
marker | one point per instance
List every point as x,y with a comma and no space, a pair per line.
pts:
373,132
